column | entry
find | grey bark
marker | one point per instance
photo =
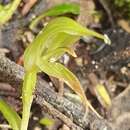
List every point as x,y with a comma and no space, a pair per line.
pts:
13,74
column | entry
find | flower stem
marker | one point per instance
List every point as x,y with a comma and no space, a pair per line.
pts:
27,97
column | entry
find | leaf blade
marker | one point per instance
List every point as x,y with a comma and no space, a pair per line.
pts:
103,95
57,70
57,10
11,116
46,121
7,11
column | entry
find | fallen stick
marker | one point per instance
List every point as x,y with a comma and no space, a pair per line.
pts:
13,74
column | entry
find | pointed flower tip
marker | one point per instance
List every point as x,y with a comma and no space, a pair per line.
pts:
71,52
74,55
107,40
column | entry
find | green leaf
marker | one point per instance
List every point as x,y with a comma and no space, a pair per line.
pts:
57,10
103,95
7,11
11,116
46,121
57,70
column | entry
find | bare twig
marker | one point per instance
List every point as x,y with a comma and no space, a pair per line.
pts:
28,5
51,110
108,11
13,74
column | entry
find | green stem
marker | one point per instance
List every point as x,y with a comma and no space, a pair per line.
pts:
27,97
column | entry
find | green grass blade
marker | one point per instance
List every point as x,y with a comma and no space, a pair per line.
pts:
46,121
11,116
7,11
57,10
103,95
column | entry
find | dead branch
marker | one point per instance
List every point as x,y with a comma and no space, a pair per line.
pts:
13,74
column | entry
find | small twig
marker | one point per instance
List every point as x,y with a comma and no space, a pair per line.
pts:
51,110
9,93
6,87
13,74
105,6
28,5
